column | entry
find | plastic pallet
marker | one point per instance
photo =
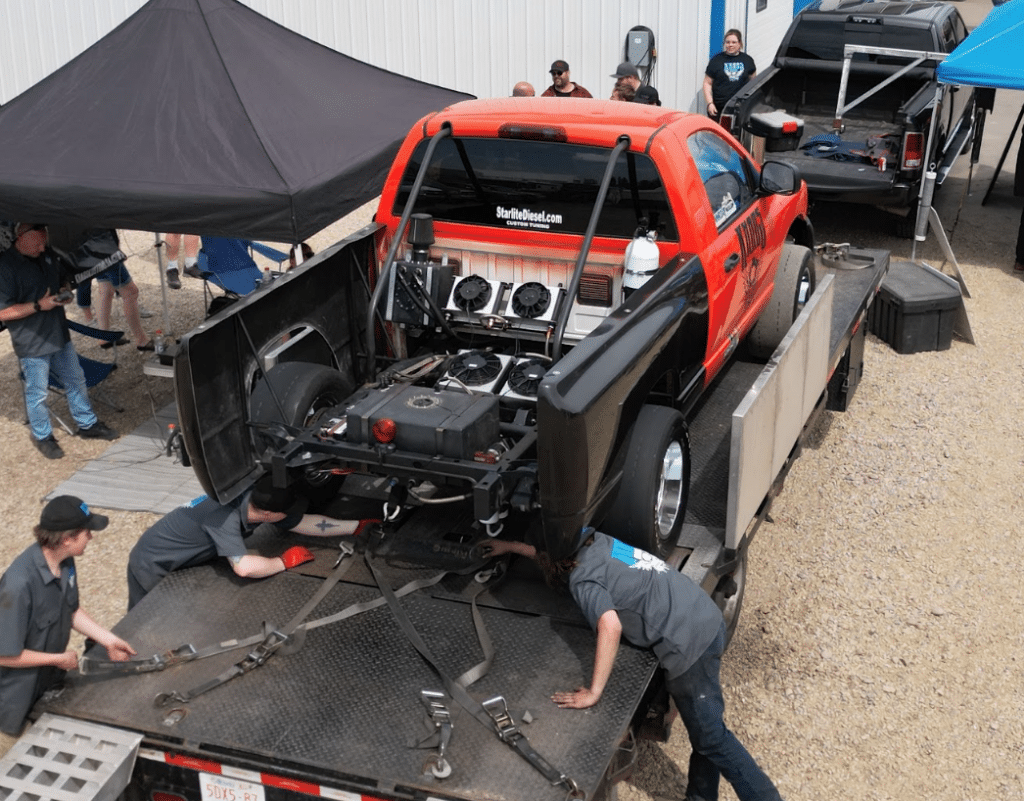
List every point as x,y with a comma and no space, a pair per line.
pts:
61,759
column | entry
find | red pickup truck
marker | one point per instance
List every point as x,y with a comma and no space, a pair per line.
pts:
547,290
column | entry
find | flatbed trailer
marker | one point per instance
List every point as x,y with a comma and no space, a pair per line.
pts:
341,716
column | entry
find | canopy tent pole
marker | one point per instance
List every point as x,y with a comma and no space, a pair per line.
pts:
158,244
1002,157
927,214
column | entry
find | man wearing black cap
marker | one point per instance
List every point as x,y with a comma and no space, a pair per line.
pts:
647,95
32,306
203,529
39,607
561,86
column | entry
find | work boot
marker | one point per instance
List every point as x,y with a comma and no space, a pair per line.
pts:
49,447
173,281
98,430
193,271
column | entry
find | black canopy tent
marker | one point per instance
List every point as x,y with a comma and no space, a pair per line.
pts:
203,116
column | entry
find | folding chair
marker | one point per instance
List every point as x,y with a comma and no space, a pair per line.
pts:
228,263
96,372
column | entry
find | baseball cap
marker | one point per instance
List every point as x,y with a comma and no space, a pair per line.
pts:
626,70
647,95
269,498
559,66
67,513
25,227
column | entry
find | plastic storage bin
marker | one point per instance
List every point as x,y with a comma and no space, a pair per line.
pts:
915,308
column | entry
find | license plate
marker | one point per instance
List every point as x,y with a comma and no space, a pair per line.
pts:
221,788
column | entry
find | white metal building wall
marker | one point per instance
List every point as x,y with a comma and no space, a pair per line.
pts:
478,46
765,29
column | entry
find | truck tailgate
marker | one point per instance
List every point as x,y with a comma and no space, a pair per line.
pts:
346,706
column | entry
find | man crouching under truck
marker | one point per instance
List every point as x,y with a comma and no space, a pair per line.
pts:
624,591
202,529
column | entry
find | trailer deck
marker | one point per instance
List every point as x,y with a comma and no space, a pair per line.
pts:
345,709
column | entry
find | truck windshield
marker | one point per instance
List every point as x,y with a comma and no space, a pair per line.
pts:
540,186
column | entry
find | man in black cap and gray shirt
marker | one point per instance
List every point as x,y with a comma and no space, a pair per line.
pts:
202,529
39,608
561,86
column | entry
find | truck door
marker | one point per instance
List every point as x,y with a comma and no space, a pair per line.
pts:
736,262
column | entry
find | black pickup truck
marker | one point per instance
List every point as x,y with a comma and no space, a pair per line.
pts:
877,151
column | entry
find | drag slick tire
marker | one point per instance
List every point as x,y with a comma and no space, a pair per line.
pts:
650,506
306,391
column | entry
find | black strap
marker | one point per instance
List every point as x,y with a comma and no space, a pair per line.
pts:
90,666
500,724
270,643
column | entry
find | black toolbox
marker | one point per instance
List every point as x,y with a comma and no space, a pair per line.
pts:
915,308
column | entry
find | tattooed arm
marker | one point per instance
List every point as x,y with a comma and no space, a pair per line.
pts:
321,526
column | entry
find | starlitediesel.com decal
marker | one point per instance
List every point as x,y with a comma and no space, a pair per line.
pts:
525,218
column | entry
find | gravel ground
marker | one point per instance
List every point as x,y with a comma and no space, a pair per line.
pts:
879,654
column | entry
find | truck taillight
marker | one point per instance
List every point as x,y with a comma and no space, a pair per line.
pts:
161,795
913,151
726,121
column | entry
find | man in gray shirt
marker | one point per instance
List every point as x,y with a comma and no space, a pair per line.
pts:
203,529
624,591
32,306
39,608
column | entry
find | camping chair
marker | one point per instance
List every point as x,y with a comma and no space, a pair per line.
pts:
229,264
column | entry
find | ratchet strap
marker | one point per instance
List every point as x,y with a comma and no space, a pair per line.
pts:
272,642
492,714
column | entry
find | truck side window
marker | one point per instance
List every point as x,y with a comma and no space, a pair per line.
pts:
724,173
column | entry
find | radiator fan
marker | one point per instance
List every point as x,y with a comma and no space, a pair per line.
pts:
475,367
472,294
526,376
531,300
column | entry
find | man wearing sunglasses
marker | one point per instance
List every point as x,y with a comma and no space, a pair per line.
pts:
561,86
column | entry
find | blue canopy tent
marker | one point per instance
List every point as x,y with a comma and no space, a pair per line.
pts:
989,57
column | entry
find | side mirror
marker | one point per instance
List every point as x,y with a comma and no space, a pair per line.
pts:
778,179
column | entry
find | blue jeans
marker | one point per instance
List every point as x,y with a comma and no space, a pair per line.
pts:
65,365
716,751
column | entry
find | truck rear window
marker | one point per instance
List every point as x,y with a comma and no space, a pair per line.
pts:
531,185
825,38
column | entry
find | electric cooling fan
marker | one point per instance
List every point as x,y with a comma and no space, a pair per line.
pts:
478,369
531,300
472,294
524,378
